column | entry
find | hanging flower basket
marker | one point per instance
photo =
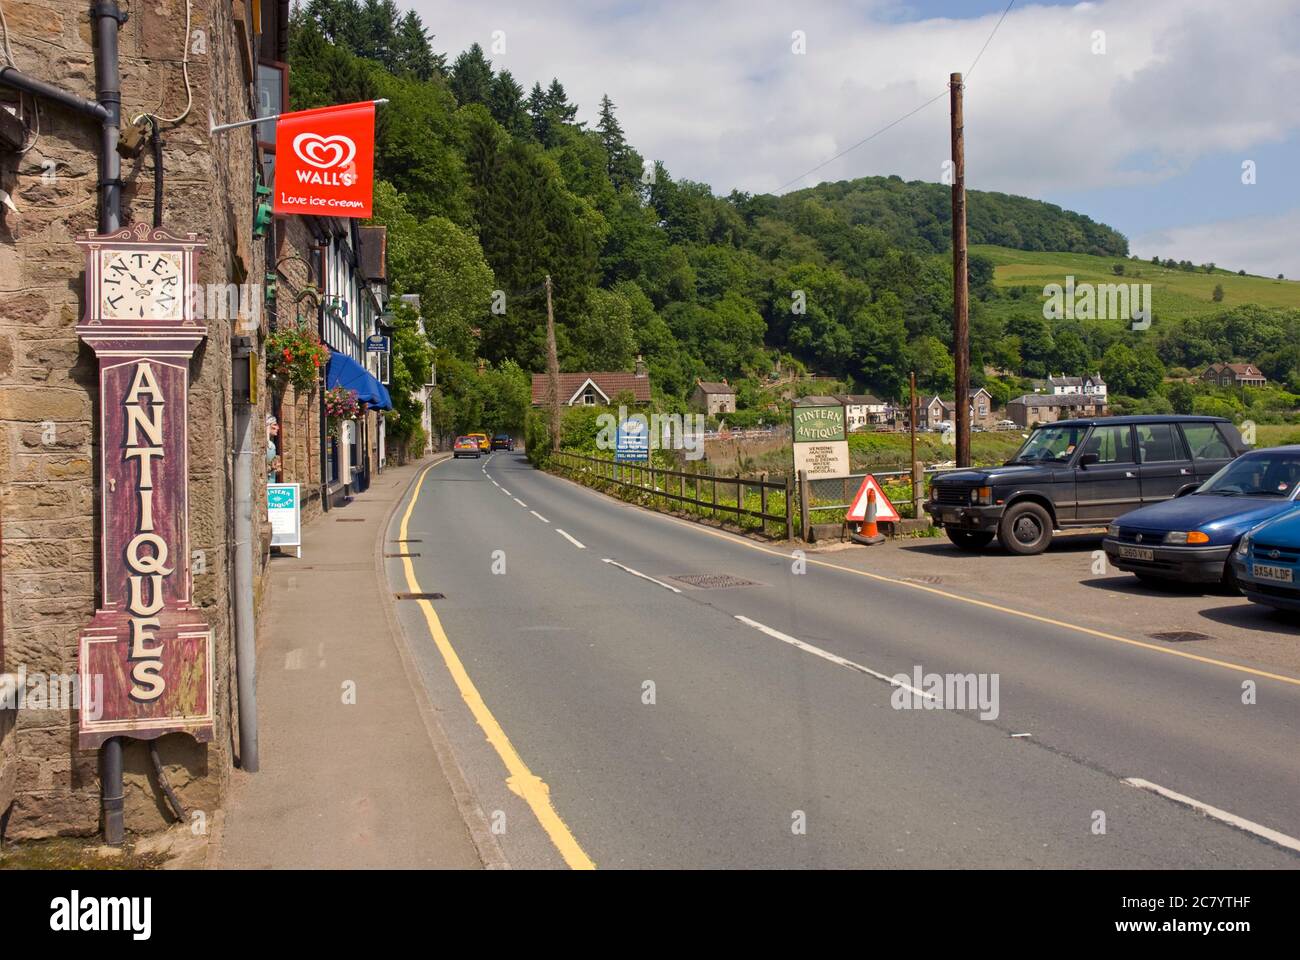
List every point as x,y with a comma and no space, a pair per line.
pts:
295,355
340,404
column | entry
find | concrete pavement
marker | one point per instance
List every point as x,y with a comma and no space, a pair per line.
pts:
561,605
355,770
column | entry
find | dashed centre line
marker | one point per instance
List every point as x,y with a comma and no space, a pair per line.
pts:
831,657
638,573
579,545
1241,823
539,516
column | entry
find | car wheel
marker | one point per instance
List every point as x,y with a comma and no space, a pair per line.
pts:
1025,529
969,539
1229,581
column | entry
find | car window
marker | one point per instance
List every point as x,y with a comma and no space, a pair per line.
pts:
1157,442
1205,442
1112,444
1049,443
1262,475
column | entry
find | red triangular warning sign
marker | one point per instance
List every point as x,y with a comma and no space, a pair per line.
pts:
884,509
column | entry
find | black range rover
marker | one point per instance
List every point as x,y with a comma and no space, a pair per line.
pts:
1080,473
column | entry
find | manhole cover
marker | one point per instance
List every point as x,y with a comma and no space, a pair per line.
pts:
930,580
419,596
1179,636
713,581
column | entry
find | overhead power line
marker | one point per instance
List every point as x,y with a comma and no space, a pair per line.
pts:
911,113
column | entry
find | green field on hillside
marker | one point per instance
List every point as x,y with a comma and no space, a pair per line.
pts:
1175,294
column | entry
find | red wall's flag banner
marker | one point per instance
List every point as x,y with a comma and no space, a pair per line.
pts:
325,161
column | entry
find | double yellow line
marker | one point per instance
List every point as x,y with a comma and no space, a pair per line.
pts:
521,781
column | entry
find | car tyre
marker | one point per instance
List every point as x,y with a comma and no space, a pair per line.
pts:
969,539
1025,529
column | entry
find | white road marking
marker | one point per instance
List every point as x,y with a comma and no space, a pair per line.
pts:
832,657
1281,839
539,516
580,546
494,483
520,502
637,573
505,491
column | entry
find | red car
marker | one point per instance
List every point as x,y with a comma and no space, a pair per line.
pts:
465,447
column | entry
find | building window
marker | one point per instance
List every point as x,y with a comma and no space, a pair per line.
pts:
272,98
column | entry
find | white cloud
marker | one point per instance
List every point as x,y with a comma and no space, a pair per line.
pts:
1262,245
716,93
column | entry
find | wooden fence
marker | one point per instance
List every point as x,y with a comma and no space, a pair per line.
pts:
695,490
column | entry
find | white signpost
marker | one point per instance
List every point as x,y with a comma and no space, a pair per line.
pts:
284,509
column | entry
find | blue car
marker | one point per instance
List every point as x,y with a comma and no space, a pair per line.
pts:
1191,537
1267,563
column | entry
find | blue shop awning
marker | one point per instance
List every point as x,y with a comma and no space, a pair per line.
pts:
345,372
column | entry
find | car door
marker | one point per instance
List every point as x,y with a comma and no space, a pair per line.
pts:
1110,486
1164,466
1210,450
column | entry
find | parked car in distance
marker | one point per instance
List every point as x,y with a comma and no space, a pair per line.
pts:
503,441
465,447
1191,538
484,444
1266,563
1080,473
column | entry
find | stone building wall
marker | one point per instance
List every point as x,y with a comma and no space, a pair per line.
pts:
48,388
298,414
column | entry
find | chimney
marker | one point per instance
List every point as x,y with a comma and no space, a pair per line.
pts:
641,369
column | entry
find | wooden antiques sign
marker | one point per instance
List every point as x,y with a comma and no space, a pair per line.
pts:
149,644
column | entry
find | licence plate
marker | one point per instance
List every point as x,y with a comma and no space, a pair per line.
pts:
1137,553
952,516
1263,571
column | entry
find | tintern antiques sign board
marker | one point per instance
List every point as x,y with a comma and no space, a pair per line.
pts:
821,445
147,644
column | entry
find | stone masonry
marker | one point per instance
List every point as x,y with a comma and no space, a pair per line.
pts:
48,392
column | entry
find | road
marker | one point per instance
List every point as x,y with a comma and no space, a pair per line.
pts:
642,721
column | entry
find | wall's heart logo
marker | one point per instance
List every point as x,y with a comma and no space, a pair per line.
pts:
324,152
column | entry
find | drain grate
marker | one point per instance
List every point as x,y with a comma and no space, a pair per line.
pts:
419,596
390,555
1179,636
413,540
350,520
713,581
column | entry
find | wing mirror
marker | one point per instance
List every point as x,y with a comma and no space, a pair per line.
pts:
1088,459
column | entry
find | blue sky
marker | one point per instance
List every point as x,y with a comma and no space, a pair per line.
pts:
1139,113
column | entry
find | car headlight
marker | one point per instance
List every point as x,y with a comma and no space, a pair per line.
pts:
1186,537
1113,531
1243,546
982,496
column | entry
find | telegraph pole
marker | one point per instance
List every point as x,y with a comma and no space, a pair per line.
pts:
552,369
960,294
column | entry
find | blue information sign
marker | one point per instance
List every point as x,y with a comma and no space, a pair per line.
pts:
632,442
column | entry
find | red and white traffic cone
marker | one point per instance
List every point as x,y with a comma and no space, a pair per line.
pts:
869,533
